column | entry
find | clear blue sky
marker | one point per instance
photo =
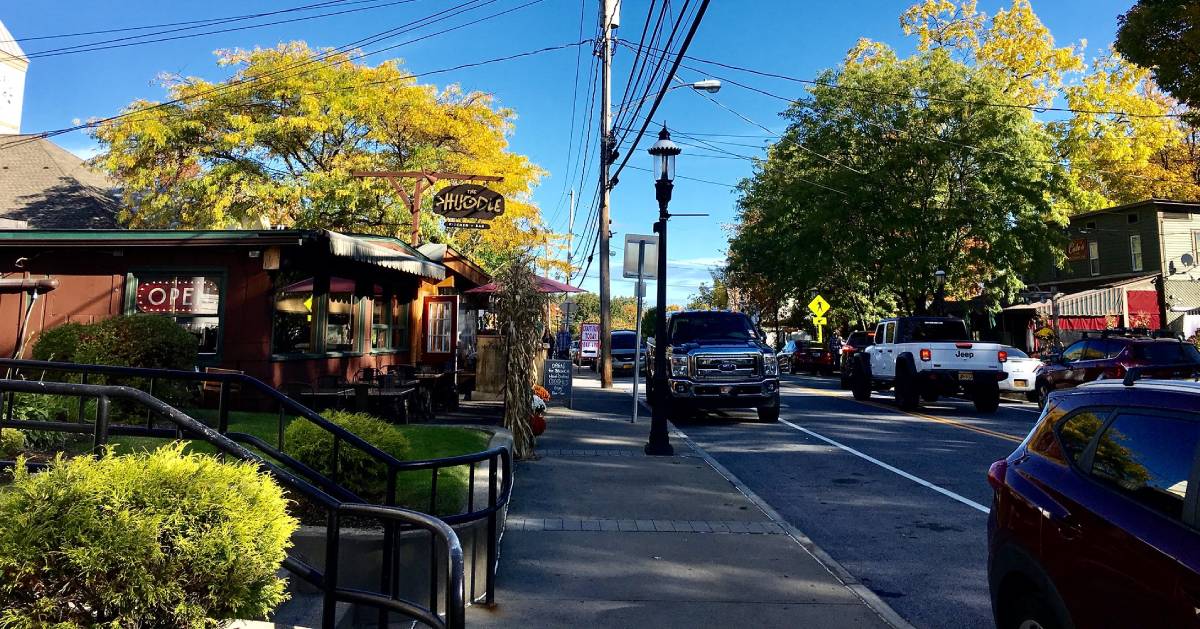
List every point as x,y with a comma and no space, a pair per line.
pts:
796,38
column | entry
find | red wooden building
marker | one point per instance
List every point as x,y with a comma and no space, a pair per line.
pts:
281,305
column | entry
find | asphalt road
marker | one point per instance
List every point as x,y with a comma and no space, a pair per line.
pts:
899,499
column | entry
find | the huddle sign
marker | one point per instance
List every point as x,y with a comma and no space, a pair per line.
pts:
468,200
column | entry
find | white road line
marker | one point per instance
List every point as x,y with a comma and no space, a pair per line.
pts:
890,468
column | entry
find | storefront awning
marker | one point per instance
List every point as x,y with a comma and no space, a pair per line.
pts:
398,256
1098,302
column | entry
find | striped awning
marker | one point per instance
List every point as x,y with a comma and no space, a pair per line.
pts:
389,254
1098,302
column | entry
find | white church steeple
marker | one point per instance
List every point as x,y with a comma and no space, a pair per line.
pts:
13,65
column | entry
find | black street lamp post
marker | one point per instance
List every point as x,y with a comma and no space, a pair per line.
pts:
664,152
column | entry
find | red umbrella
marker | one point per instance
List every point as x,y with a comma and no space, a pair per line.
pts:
544,285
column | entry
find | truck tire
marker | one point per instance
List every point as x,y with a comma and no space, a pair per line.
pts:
768,414
986,396
860,378
908,390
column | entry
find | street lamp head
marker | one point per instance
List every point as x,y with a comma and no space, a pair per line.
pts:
712,86
664,152
941,277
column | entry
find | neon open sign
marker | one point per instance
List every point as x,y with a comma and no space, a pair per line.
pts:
183,295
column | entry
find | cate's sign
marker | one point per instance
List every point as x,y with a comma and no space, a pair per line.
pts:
468,200
1077,249
180,295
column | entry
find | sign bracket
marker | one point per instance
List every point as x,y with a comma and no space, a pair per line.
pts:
424,179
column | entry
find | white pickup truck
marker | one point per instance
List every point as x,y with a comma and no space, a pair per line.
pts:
922,358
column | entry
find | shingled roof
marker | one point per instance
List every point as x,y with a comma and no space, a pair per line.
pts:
43,186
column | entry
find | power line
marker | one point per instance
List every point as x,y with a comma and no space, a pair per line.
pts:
203,22
571,133
125,42
318,59
666,85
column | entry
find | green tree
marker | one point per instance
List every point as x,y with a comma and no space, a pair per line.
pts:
1164,37
280,151
711,297
870,191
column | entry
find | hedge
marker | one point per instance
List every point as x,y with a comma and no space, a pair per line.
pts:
356,470
176,539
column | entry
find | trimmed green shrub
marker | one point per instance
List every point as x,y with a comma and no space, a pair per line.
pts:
140,340
47,408
356,470
58,344
12,442
161,539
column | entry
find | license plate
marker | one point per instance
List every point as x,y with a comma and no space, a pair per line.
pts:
1021,383
726,390
966,376
816,354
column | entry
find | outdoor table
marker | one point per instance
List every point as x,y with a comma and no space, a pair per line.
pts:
431,384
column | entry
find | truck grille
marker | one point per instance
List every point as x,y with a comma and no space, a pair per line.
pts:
716,367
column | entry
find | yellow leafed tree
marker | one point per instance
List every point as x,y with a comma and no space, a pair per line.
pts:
277,141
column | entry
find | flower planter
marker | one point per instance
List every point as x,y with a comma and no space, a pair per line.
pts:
538,424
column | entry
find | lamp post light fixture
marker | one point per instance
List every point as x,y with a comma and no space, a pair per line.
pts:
664,153
939,297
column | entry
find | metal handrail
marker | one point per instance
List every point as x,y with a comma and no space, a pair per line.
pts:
328,580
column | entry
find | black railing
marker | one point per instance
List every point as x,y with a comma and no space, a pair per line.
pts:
326,581
498,460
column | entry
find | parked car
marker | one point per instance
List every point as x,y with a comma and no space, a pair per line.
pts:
1022,373
1094,520
812,357
716,359
624,351
784,356
855,344
1111,355
923,358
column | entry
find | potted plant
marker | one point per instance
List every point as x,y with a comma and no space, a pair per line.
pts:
537,416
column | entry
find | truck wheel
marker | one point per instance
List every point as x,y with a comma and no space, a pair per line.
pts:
860,379
907,392
986,397
768,414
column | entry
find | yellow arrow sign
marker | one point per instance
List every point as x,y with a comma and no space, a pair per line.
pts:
818,306
820,320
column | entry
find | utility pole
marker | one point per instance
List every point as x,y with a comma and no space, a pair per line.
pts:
570,235
609,19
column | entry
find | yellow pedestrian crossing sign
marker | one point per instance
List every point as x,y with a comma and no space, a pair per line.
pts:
818,306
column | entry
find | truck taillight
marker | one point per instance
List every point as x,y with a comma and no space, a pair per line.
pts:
926,355
1002,355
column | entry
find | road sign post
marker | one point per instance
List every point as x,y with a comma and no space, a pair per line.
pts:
818,306
639,243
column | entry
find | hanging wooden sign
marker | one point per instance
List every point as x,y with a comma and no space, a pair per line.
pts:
468,200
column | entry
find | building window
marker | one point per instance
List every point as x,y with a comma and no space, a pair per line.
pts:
439,319
381,322
1196,245
192,301
1094,257
1135,252
341,317
292,320
400,318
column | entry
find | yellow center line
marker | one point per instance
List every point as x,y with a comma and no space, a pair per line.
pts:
932,418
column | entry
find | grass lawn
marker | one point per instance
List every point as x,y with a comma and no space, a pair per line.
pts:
412,488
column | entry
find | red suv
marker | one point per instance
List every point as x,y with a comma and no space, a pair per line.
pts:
1109,356
1094,521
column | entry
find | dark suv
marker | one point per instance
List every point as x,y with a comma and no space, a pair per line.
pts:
1094,520
1108,356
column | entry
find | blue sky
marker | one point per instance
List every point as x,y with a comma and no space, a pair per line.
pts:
792,37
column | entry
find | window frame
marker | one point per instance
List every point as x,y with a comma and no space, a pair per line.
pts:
1190,516
1196,244
1136,260
320,319
1094,257
452,308
220,274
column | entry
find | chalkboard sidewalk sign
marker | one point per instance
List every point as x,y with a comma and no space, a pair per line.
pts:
557,377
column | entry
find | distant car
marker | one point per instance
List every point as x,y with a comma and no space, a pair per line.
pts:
624,350
855,344
1111,355
812,357
1094,519
1022,373
784,356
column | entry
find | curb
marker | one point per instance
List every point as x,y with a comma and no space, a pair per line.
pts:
864,593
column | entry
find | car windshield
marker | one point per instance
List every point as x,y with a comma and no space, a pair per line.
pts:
1015,353
861,339
1166,352
935,330
710,327
624,341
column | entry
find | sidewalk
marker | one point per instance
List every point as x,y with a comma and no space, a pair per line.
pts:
600,535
